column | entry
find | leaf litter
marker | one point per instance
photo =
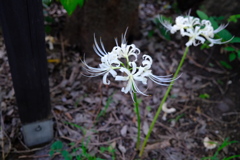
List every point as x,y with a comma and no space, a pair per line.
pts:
77,101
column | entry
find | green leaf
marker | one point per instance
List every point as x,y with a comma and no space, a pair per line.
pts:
204,46
234,18
238,53
204,96
235,40
225,35
213,22
71,5
229,49
231,157
150,33
46,1
56,147
225,64
66,155
165,33
148,108
201,14
232,57
225,144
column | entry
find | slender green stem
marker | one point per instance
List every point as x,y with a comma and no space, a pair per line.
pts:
136,104
163,101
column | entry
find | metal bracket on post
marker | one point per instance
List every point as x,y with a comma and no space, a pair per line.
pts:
38,132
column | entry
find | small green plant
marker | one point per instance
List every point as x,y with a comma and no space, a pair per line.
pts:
204,96
234,53
177,118
57,147
103,111
225,143
77,126
148,108
110,150
78,153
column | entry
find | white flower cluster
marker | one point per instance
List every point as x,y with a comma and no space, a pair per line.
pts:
197,30
113,63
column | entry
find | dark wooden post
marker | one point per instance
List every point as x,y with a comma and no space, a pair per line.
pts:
23,29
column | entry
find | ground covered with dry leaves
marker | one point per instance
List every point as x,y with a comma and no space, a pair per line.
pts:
90,114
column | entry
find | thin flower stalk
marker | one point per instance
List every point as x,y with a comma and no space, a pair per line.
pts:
136,104
163,101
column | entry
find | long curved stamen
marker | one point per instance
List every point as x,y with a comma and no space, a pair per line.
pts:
97,49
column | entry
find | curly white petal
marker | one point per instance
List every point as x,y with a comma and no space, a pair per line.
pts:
147,61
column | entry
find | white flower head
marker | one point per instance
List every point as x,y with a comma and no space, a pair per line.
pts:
119,64
104,69
109,63
131,78
124,50
198,31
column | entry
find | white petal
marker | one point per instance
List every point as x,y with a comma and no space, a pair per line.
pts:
113,72
165,23
122,69
220,28
134,67
105,81
121,78
97,49
128,88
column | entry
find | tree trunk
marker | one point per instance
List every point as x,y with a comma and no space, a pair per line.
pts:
107,19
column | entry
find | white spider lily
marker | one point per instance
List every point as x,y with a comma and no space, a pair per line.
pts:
197,31
131,77
111,63
194,35
104,69
183,23
208,33
124,50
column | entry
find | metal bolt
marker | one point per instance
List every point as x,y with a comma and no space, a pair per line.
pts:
38,128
